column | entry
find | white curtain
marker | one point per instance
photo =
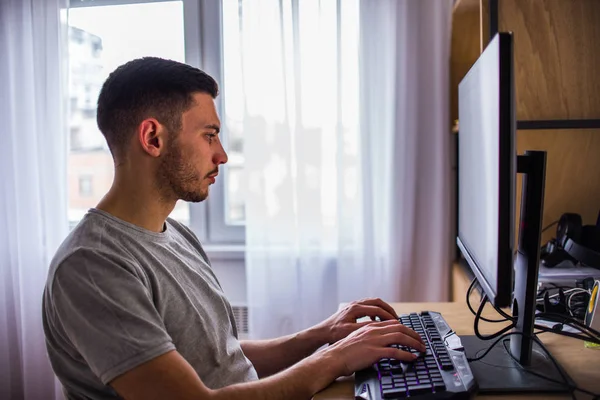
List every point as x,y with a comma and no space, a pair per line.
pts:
344,110
33,214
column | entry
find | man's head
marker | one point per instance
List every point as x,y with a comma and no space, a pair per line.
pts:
160,115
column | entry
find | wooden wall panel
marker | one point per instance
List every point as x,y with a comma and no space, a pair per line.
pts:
484,18
557,57
557,76
572,173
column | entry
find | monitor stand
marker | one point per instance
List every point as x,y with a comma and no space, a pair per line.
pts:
508,367
498,372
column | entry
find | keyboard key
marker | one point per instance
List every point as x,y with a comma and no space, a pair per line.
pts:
393,393
419,389
439,386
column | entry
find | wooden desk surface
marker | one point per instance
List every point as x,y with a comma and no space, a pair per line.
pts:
582,364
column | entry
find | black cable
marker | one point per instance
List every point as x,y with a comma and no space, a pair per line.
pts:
592,334
565,381
552,359
558,368
549,226
486,352
469,291
569,334
478,317
569,321
500,335
540,294
551,316
501,312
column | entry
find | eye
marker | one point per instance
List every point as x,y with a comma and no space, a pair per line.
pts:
211,137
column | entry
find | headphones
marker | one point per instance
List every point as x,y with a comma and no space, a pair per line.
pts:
574,242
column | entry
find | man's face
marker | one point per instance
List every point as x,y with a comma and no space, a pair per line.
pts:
190,164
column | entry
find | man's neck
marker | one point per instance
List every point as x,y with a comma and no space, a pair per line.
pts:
138,203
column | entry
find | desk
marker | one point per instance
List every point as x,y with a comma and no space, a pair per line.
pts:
582,364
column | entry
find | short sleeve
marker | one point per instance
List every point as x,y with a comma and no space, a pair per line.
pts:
107,313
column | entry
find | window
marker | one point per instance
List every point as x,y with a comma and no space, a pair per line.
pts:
104,34
86,187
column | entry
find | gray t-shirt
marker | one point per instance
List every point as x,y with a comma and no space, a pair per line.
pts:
119,295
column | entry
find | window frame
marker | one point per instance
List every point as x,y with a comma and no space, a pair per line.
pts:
203,49
203,38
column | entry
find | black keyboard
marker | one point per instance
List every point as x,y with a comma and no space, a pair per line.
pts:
442,372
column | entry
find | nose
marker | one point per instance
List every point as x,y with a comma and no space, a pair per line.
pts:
220,156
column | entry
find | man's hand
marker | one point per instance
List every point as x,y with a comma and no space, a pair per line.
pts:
342,323
365,346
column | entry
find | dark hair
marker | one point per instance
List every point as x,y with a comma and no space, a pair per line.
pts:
147,87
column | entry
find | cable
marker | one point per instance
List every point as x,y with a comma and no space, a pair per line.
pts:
574,300
573,291
559,318
592,335
549,226
501,312
501,335
506,317
552,359
570,321
478,317
486,352
544,329
543,291
558,368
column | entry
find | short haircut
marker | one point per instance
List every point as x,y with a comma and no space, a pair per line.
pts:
147,87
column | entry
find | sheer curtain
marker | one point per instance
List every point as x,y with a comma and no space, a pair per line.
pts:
33,215
344,112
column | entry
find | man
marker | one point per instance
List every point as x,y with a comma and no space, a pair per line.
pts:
132,308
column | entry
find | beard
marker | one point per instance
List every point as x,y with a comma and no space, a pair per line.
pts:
179,179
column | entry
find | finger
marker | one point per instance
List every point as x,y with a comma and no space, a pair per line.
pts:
390,322
407,340
381,324
413,334
401,339
408,331
379,303
359,311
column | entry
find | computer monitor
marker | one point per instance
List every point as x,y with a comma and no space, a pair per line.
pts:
487,168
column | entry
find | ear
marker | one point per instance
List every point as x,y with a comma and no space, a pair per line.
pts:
151,136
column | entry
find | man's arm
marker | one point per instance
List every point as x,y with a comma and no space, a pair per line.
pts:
171,377
272,356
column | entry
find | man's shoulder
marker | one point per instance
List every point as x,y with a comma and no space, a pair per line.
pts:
91,234
93,237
